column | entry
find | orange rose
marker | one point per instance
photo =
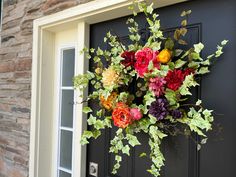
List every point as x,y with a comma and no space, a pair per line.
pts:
164,56
121,115
109,102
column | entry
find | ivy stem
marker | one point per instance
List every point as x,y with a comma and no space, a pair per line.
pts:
119,40
185,105
84,101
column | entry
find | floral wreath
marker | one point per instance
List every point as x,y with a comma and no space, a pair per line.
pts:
161,76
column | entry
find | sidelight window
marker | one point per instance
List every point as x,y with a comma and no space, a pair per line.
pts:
66,114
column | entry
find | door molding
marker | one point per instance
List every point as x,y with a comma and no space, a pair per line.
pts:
44,30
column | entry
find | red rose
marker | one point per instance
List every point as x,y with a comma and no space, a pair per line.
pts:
129,58
174,79
121,115
143,58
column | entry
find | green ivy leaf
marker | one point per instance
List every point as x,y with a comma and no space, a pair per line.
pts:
149,98
193,64
179,63
126,149
203,70
87,109
96,133
169,44
178,52
92,120
199,147
198,47
157,134
150,66
184,23
107,121
195,56
132,140
156,46
86,135
153,119
185,13
224,42
99,52
118,159
199,102
187,84
171,97
99,113
204,141
150,8
206,62
99,125
182,42
143,155
183,31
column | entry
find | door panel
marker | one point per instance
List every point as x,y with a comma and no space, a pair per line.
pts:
210,23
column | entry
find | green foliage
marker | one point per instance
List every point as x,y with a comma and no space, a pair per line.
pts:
187,84
118,160
198,120
87,110
156,155
195,118
123,97
81,81
143,154
203,70
198,47
86,135
180,63
149,98
171,96
132,140
169,44
186,13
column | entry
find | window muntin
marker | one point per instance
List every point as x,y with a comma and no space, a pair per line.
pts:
66,113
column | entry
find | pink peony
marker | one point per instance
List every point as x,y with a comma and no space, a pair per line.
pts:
143,58
136,114
157,85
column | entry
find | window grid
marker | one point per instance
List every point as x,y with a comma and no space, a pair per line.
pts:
60,127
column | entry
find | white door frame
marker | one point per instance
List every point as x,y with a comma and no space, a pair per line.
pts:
44,29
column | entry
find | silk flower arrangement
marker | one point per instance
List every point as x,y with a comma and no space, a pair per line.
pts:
162,76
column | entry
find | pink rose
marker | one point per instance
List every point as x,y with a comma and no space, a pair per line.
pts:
143,58
136,113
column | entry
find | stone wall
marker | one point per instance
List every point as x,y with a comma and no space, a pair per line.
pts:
15,79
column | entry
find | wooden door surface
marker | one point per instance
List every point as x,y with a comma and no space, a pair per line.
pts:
210,22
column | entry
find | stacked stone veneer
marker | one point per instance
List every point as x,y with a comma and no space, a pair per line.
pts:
15,79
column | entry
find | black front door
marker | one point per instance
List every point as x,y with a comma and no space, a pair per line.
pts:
211,21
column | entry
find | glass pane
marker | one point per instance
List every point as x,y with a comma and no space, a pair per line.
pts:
68,67
64,174
67,103
66,149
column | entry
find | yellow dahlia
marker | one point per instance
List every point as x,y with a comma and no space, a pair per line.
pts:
110,77
110,102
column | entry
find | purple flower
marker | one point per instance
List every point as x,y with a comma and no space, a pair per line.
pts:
159,108
176,114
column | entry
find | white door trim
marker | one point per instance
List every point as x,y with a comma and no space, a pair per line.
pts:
44,30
